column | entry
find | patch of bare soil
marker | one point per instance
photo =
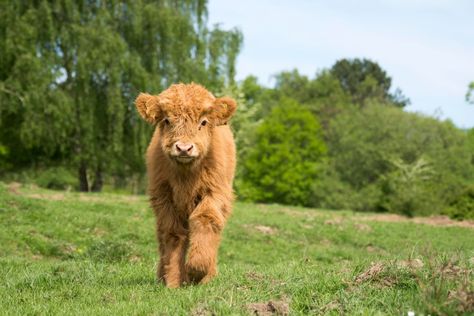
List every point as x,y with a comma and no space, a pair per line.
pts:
14,187
267,230
270,308
309,215
336,221
432,220
464,298
375,249
122,198
371,273
374,274
51,197
363,227
202,311
412,264
258,278
332,306
325,242
254,276
451,270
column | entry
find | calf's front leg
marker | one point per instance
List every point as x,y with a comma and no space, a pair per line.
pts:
171,269
173,242
205,227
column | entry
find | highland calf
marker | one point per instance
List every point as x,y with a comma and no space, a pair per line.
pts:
190,164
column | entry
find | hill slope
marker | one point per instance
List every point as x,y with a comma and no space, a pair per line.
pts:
71,253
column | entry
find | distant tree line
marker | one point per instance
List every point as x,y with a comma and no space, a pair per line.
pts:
70,70
364,153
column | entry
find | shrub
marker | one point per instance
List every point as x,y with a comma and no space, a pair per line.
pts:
462,207
286,158
57,178
393,161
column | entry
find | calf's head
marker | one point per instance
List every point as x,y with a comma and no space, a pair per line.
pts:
186,116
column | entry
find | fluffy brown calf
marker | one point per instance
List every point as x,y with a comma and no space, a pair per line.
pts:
190,163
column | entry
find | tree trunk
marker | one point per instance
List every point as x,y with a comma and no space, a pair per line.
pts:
98,180
83,183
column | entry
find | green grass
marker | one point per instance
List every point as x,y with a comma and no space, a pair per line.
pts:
75,254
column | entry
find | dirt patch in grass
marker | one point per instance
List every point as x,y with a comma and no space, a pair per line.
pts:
270,308
14,187
336,221
51,197
325,242
363,227
412,264
432,220
451,270
302,213
371,273
201,311
375,249
254,276
332,306
266,230
117,197
463,298
259,278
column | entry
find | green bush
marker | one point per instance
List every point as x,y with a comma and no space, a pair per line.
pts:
462,207
3,155
57,178
283,164
407,189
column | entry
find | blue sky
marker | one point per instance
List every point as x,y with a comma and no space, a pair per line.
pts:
426,46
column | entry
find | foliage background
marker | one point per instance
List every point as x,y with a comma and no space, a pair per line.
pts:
70,71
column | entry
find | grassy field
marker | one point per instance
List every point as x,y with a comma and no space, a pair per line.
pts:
76,254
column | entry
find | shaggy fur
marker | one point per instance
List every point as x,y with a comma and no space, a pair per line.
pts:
190,163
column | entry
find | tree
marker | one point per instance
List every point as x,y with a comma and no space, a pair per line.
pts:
364,79
284,162
323,95
70,71
470,93
292,84
374,148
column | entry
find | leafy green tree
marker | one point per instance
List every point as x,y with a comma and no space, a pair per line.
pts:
251,89
322,95
364,144
284,162
70,70
364,79
292,84
405,190
328,98
244,123
470,141
462,205
470,93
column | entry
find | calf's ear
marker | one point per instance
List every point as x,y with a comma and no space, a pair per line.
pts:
149,107
223,109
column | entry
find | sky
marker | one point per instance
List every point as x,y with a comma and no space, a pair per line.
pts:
425,46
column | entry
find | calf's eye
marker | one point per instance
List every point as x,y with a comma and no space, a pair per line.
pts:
203,123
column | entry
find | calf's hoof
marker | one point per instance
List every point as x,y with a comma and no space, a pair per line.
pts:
199,274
